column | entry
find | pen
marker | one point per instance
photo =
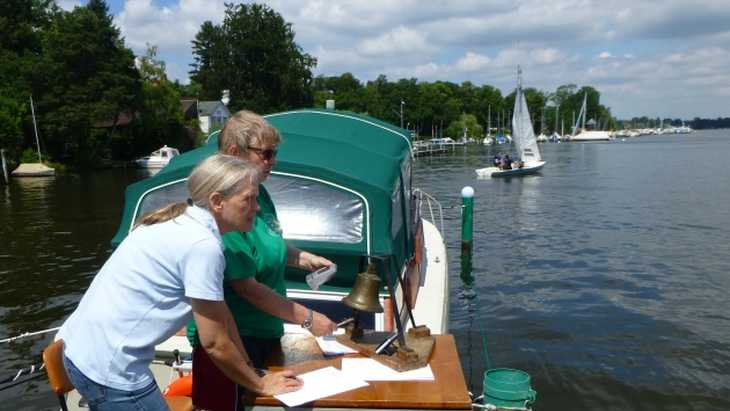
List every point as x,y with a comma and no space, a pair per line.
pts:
345,322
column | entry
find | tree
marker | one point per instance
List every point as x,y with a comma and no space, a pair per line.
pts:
90,80
466,126
22,23
160,119
252,54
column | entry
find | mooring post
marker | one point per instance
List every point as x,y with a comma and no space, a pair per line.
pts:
5,167
467,218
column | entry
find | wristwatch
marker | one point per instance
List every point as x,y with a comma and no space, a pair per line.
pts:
307,324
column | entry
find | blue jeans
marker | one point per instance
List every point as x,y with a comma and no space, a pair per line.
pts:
103,398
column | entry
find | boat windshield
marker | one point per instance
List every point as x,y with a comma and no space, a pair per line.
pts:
307,209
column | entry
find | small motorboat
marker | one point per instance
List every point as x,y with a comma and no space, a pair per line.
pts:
158,158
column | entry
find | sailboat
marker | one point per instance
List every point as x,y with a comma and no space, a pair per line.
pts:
587,135
524,138
34,169
556,137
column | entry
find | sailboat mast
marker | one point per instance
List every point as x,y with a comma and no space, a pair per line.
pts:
35,129
489,121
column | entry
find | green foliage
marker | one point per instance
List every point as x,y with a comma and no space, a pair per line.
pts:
160,120
29,155
252,54
89,84
465,126
11,119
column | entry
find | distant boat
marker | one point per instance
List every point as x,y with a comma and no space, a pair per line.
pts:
530,158
587,135
542,138
158,158
34,169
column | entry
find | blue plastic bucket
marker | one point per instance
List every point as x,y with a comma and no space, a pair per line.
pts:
508,388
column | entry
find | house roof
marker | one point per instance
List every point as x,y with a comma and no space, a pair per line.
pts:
189,108
206,108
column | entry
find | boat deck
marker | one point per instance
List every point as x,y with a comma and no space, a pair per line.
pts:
446,392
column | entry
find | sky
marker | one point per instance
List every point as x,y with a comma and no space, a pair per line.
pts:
655,58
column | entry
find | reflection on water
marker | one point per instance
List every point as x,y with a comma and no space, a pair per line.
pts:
604,277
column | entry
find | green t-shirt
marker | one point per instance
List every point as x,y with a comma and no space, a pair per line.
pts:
259,253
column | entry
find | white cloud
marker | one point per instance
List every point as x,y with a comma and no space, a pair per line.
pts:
639,55
169,27
398,41
472,62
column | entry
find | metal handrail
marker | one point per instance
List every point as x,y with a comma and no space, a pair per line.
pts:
430,202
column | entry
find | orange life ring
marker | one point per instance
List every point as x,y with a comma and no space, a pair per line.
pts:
182,386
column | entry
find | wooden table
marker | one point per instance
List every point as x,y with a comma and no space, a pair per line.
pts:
447,391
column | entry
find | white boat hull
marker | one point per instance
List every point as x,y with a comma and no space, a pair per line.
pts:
529,168
591,136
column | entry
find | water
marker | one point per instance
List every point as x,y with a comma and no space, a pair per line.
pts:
604,277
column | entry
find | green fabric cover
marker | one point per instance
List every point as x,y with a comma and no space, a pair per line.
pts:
355,151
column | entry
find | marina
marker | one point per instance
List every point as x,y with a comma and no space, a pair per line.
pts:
568,277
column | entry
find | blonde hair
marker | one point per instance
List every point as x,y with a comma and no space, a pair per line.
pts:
244,128
219,173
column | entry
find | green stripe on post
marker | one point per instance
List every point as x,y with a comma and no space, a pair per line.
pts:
467,217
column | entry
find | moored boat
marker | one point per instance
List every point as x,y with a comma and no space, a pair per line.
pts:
158,158
343,189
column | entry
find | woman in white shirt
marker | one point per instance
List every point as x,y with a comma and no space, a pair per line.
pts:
168,267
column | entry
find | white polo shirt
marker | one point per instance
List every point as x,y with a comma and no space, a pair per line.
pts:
141,296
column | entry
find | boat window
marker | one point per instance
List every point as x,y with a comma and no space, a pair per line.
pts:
315,211
162,196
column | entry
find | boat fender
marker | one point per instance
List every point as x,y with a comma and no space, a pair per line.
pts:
182,386
418,244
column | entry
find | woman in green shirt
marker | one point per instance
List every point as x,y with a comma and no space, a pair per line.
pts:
254,285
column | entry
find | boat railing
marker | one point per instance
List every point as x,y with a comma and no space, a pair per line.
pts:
433,206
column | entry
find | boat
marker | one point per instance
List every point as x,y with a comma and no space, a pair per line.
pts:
587,135
34,169
343,189
524,139
158,158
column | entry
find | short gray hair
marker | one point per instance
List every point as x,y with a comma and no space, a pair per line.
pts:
244,128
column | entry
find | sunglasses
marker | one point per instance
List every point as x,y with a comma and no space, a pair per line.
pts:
267,154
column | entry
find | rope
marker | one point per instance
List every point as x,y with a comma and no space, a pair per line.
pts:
29,334
15,379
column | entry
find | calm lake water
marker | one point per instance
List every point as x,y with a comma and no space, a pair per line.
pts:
606,277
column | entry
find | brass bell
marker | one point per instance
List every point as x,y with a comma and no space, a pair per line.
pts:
364,294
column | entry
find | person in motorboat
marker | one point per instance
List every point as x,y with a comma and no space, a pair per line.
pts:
255,288
519,164
167,270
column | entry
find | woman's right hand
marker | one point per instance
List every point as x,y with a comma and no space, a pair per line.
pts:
280,383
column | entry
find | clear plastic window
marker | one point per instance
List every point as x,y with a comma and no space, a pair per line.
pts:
176,192
315,211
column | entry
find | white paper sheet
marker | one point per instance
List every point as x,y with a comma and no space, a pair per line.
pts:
371,370
319,384
330,346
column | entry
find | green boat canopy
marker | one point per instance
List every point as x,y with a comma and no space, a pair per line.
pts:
341,186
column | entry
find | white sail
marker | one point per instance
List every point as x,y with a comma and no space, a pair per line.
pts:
524,135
